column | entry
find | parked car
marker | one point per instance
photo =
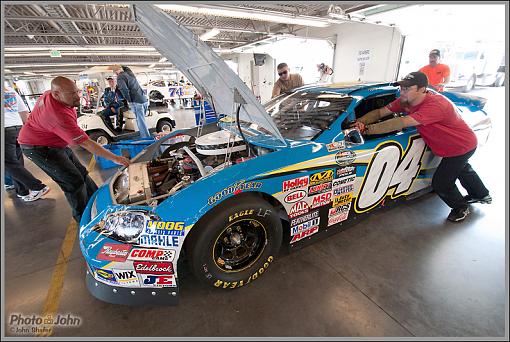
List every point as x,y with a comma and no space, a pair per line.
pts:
226,197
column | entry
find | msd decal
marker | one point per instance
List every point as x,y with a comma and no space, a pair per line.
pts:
142,267
299,208
295,183
113,252
146,254
295,196
389,169
150,280
320,200
304,234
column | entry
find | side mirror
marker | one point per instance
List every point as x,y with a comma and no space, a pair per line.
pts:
353,136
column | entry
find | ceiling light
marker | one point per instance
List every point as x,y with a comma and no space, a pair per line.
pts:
209,34
30,36
152,65
162,60
251,15
29,73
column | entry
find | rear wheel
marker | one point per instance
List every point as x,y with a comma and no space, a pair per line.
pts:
100,137
470,84
236,245
164,126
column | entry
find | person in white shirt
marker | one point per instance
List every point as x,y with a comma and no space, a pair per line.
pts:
27,187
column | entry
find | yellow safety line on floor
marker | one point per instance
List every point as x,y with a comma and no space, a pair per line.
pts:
57,279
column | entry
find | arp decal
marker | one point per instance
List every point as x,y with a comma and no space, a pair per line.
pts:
165,228
345,157
388,169
306,233
307,217
113,252
299,208
295,196
126,277
320,200
152,280
318,189
321,177
144,267
338,214
295,183
146,254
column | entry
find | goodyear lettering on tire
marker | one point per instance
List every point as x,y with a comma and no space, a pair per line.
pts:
236,284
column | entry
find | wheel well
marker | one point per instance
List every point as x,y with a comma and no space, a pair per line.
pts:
97,130
166,119
228,202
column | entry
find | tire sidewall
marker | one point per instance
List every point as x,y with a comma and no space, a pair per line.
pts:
161,123
205,268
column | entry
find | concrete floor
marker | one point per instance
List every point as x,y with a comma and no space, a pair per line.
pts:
404,272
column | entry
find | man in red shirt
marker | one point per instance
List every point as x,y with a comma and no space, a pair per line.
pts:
444,131
437,73
44,138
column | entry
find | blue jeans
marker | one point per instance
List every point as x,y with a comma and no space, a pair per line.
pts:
140,109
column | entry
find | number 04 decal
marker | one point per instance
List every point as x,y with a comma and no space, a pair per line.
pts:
388,169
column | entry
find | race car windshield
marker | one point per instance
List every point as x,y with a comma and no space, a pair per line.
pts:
304,115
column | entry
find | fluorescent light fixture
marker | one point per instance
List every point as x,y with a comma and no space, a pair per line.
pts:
152,65
30,36
29,73
209,34
162,60
251,15
7,70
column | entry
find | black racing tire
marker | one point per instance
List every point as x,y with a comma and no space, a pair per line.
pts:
164,125
235,245
101,137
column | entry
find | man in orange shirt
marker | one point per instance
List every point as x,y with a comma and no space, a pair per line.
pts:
437,73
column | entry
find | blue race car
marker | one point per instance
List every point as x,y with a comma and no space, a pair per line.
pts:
226,197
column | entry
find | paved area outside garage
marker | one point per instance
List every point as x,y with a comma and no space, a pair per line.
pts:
403,272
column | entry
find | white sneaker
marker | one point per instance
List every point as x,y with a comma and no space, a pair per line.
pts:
9,187
35,195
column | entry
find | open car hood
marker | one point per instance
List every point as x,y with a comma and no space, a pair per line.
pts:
206,70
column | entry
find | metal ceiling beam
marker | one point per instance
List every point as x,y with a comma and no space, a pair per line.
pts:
59,34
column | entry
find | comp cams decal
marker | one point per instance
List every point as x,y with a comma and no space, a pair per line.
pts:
389,169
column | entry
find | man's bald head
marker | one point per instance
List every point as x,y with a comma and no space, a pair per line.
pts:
65,90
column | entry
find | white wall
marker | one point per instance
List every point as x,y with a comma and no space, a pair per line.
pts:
382,44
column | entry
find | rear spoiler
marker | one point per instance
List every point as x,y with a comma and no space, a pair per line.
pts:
473,103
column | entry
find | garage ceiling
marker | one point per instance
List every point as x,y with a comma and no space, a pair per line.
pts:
87,35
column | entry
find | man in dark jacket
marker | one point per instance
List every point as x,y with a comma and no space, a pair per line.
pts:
133,93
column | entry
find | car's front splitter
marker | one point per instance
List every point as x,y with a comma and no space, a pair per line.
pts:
132,296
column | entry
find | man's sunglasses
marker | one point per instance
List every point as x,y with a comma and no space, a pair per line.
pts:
283,73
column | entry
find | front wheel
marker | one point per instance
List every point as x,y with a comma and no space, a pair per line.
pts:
164,126
235,246
100,137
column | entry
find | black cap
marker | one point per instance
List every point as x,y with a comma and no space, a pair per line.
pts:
414,78
109,78
435,52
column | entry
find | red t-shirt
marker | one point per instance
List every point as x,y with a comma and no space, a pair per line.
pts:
51,124
440,126
436,74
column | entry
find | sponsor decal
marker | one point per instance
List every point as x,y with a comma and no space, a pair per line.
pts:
318,189
321,177
307,217
304,234
240,214
126,277
236,284
146,254
345,171
338,214
320,200
158,240
299,208
235,189
343,189
113,252
304,226
341,200
165,228
389,169
106,276
344,180
345,157
295,196
152,280
143,267
335,146
295,183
